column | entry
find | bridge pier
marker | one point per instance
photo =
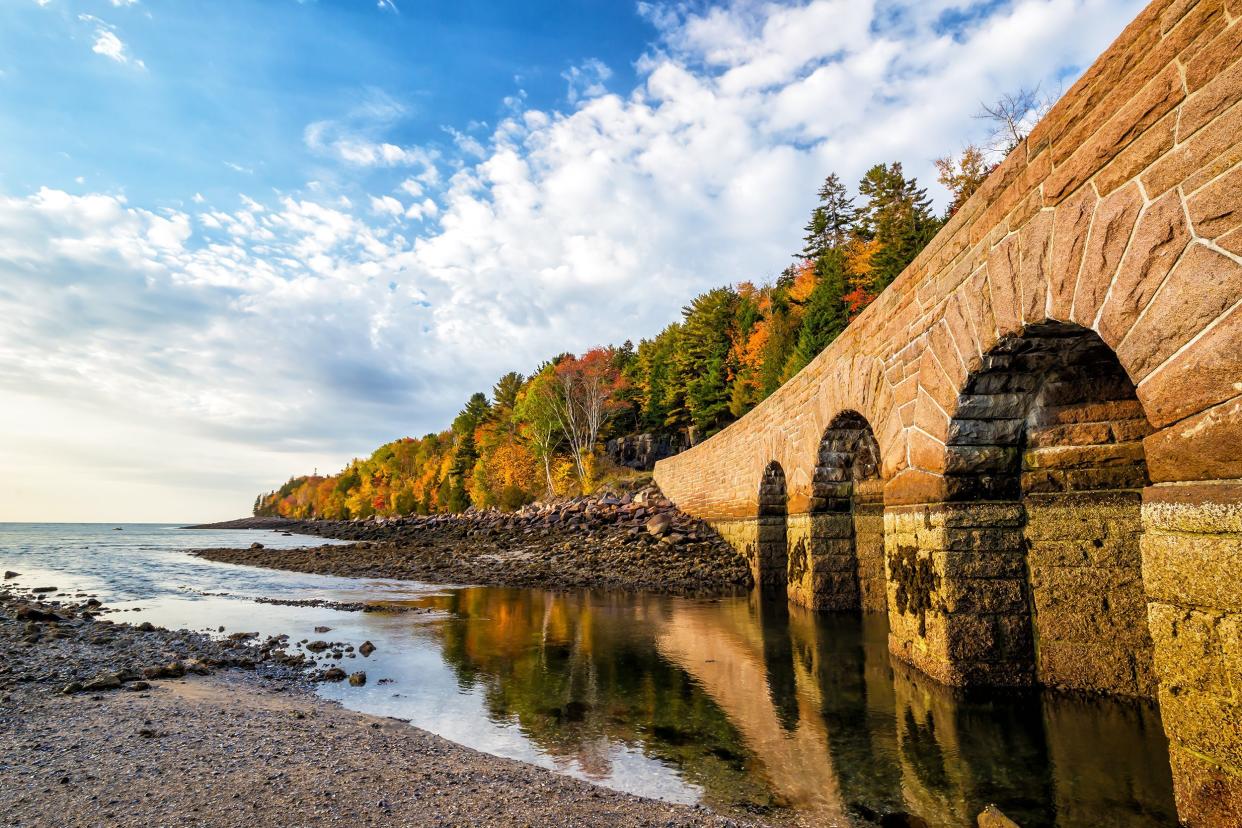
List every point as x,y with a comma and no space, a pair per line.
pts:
957,593
1192,572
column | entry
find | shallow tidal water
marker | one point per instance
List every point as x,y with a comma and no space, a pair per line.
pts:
740,704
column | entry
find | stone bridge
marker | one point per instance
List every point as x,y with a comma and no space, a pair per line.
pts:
1028,450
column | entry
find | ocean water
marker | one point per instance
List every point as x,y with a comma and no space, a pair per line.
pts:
742,704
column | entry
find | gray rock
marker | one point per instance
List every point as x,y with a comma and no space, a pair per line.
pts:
103,681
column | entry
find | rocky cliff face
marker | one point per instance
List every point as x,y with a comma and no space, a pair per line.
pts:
641,451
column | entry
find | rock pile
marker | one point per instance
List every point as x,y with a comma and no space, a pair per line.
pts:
616,540
67,644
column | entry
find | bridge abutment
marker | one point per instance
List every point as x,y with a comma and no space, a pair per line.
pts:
1192,573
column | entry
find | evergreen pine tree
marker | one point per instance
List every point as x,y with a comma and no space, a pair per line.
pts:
898,215
701,358
826,315
830,220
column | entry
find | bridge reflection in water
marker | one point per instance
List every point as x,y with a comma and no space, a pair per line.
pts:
764,707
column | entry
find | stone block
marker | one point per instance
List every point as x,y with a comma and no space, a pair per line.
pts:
1092,667
1210,61
1001,638
1193,570
1212,508
981,459
1204,722
1146,108
1189,655
1159,239
1110,233
1207,794
974,565
1201,447
1204,374
1201,287
1211,101
1216,209
1035,248
990,596
1002,274
1100,412
1071,227
1199,158
976,515
1078,434
1137,157
1083,456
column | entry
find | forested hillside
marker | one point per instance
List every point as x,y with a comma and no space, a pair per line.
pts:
540,435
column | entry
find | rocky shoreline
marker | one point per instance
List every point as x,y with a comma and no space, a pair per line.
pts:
628,541
105,723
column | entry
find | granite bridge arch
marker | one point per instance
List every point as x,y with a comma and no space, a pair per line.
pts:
1051,394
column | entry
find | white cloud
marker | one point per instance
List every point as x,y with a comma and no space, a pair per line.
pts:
353,139
302,325
108,44
586,80
235,167
386,206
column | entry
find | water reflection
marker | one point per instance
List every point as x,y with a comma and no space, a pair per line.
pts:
739,703
762,706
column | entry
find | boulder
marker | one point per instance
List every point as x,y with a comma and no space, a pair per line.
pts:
366,648
103,681
35,614
660,525
357,679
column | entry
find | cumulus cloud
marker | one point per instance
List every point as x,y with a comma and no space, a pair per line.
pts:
300,325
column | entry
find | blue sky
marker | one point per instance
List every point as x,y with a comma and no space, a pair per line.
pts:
233,83
243,240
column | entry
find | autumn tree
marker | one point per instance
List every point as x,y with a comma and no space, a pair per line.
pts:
962,175
585,386
537,414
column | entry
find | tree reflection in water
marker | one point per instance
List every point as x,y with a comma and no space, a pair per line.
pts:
764,706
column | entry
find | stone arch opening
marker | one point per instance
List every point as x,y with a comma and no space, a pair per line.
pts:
772,548
1048,435
837,561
